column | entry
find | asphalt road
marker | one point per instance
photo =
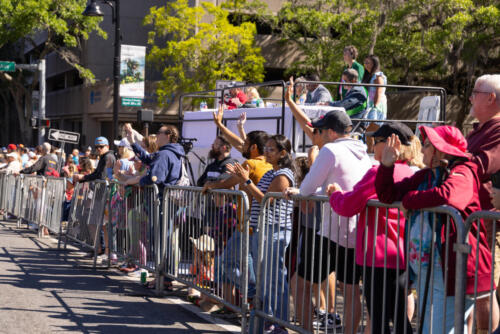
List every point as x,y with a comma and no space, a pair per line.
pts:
43,290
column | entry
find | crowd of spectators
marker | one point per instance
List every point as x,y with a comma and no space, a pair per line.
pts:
441,168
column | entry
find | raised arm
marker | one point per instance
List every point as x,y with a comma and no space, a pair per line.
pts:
231,137
241,125
298,114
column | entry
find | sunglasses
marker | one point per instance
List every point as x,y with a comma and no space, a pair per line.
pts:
495,180
380,141
318,130
99,146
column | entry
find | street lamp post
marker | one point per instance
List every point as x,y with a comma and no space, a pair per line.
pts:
93,9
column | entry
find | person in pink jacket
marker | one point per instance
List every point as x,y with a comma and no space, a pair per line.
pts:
450,179
384,237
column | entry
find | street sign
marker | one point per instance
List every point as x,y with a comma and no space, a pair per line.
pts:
64,136
131,102
7,66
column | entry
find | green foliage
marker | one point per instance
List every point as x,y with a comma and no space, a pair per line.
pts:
439,42
195,46
60,20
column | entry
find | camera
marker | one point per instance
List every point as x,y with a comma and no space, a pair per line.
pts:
187,143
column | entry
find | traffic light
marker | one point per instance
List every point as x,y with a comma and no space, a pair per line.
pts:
43,123
40,123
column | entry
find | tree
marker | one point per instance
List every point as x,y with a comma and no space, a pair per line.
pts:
445,43
61,25
201,47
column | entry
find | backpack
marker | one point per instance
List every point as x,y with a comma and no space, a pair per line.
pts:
184,180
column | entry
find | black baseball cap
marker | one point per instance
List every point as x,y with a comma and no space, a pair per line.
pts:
337,120
399,129
495,180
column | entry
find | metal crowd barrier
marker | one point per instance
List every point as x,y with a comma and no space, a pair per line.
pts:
32,200
55,190
134,214
485,300
355,287
205,244
86,215
3,192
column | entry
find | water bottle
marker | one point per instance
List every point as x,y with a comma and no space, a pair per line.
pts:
255,102
203,105
302,99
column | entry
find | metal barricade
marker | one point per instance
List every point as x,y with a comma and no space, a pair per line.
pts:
55,192
313,278
4,192
31,203
482,230
87,213
205,244
134,214
12,186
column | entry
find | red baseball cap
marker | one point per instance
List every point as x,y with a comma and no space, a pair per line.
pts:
447,139
12,147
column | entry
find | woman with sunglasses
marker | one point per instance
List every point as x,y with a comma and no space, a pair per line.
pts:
278,224
382,253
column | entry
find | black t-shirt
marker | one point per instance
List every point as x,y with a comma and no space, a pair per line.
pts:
215,171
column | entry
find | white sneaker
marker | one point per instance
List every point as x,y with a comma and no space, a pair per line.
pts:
138,273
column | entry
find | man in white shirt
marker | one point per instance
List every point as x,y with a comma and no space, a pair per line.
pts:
342,160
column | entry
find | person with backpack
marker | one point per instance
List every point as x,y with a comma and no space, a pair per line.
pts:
165,166
45,166
450,179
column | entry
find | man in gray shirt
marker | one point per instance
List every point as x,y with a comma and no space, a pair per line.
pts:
316,93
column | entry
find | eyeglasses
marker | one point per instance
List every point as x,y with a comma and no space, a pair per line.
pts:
318,130
474,92
98,147
269,149
383,140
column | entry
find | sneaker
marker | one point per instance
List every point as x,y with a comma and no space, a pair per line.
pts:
274,329
113,259
327,320
102,258
137,273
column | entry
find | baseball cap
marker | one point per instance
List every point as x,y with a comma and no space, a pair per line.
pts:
12,147
123,143
337,120
101,141
399,129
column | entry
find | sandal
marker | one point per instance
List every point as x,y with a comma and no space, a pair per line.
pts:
167,286
225,312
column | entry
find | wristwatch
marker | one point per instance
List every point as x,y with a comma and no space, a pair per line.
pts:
248,182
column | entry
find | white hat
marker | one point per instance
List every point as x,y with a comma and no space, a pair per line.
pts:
31,154
123,142
205,243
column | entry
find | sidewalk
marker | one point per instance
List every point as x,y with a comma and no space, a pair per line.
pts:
44,290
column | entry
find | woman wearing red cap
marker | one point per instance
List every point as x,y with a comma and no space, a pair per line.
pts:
450,179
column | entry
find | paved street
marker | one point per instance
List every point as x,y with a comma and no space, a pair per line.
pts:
47,291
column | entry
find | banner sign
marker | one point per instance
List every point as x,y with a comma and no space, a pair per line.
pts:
132,71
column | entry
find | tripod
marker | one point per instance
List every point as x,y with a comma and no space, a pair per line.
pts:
187,144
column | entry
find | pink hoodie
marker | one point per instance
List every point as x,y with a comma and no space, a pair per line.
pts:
350,203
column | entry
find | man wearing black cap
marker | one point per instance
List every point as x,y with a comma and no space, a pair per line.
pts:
342,160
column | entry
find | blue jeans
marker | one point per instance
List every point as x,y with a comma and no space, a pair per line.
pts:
229,262
273,276
438,301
